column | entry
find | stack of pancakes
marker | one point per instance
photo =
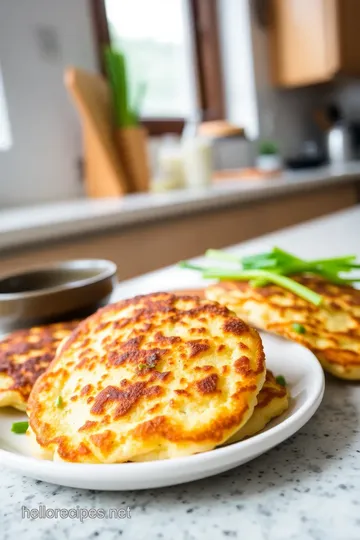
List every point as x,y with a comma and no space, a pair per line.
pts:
152,377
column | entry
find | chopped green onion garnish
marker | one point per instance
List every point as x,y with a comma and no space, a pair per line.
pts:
59,402
280,379
19,427
298,328
275,266
143,366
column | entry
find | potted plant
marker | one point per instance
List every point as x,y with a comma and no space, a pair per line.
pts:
268,158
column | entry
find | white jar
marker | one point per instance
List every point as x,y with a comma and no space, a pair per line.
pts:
198,162
170,162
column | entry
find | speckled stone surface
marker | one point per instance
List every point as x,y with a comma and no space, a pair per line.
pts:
306,488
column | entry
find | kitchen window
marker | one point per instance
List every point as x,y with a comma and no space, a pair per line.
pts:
172,47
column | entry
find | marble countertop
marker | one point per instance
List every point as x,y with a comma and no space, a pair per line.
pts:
29,225
305,489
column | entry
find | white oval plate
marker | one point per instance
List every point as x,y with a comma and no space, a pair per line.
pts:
305,380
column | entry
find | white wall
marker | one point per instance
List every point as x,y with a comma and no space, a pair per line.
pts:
5,135
237,63
251,99
38,38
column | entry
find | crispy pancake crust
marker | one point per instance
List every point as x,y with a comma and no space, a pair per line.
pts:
24,356
272,401
155,374
332,329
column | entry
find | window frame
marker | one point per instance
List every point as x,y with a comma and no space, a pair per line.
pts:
206,60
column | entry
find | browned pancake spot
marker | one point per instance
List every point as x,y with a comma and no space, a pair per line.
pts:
208,385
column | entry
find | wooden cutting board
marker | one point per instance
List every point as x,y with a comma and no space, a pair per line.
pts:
104,176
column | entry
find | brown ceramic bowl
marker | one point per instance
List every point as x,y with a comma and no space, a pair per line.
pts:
58,292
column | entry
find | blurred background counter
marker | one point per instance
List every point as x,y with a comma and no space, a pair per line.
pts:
142,232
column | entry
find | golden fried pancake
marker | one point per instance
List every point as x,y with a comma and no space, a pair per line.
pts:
24,356
272,401
331,330
157,374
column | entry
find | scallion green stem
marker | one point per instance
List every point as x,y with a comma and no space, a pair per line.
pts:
275,266
335,260
286,255
258,283
349,266
282,281
256,259
222,256
190,266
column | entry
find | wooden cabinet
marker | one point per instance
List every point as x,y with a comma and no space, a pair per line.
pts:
312,41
